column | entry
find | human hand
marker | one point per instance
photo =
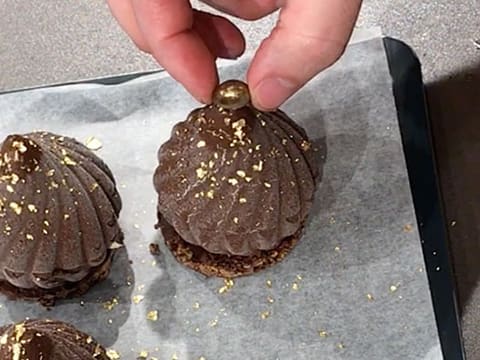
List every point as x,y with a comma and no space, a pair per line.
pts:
310,36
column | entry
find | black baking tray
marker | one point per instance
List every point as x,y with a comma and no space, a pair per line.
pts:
408,89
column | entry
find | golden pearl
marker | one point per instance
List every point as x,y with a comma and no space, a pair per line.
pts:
231,95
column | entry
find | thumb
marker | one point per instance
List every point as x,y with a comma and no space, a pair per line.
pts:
309,37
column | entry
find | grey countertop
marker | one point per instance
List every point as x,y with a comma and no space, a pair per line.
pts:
63,40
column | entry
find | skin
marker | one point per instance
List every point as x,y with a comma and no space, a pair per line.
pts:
310,35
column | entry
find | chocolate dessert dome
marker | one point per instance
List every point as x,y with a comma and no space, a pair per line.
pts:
234,185
47,340
58,217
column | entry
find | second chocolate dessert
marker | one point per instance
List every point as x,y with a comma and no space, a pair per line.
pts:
234,185
58,217
47,340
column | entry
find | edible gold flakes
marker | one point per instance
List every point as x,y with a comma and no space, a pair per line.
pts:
270,300
115,245
305,145
235,220
228,284
110,304
269,283
267,185
201,144
295,286
137,299
340,346
152,315
32,208
16,208
10,189
393,288
370,297
196,305
29,236
408,228
93,143
143,354
241,173
242,200
113,355
201,173
322,333
258,167
337,248
68,161
232,181
264,315
213,323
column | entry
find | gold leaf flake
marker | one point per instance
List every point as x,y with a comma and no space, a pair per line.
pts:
370,297
305,145
143,354
267,185
242,200
29,236
16,208
241,173
213,323
264,315
393,288
408,228
232,181
269,283
258,167
210,194
152,315
10,189
295,286
113,355
32,208
137,299
235,220
68,161
201,173
340,346
110,304
270,300
201,144
93,143
322,333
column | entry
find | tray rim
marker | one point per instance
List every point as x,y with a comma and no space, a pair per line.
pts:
422,168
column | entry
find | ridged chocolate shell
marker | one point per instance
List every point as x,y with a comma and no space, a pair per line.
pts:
58,211
236,181
47,339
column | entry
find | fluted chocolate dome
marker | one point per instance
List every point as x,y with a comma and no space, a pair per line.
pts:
234,180
58,216
47,340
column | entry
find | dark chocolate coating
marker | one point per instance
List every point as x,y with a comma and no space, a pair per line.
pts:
58,212
236,181
47,339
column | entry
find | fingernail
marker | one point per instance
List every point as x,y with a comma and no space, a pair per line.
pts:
270,93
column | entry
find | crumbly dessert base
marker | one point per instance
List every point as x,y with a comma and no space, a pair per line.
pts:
220,265
47,297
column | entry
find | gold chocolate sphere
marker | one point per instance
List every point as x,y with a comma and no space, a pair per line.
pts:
231,95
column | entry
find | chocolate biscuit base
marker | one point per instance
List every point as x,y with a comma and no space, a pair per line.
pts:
220,265
47,297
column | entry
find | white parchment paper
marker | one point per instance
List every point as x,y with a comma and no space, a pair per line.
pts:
354,288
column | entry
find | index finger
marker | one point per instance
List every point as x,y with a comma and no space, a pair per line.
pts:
167,26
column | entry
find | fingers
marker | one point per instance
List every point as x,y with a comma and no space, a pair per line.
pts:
310,36
222,37
186,44
245,9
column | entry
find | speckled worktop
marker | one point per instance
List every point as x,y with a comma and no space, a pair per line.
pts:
63,40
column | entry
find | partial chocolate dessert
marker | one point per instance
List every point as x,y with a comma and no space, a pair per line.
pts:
234,185
58,217
47,340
